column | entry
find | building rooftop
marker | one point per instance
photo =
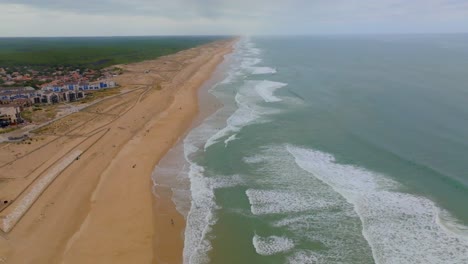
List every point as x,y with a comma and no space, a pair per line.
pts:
27,88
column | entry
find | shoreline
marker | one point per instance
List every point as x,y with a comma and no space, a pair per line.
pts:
165,207
101,207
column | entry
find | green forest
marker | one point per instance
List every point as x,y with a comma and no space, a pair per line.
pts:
91,52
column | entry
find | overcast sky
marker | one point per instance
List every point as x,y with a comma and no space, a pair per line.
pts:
195,17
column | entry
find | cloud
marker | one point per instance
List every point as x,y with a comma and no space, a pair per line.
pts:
172,9
23,20
153,17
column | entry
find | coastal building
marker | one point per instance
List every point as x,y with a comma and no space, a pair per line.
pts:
47,95
22,102
82,86
9,115
52,93
10,94
52,97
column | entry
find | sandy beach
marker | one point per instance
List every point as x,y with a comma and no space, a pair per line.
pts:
80,191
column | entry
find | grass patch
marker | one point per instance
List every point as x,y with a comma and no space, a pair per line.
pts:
7,130
99,94
40,114
27,115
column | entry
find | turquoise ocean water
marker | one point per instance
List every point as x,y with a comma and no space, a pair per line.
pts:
332,149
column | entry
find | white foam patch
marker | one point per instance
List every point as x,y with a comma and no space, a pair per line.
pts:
250,48
262,70
294,223
200,218
253,159
226,181
249,95
201,215
248,111
266,90
271,245
303,257
240,62
229,139
240,118
235,70
255,51
248,63
453,225
277,201
317,214
399,227
198,137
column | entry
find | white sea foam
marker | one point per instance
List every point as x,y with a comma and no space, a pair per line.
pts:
250,48
198,137
303,257
271,245
262,70
399,227
451,224
247,63
277,201
249,95
201,215
239,61
202,205
221,182
297,223
243,116
253,159
255,51
266,90
229,139
200,218
248,111
233,73
289,199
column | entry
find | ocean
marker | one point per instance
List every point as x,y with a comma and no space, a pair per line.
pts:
331,149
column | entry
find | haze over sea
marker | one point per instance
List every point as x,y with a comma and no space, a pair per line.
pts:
333,149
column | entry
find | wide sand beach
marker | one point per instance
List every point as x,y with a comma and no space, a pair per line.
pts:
91,171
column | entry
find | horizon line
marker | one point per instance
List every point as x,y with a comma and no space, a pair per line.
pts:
238,35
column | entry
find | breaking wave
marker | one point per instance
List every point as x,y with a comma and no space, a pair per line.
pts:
399,227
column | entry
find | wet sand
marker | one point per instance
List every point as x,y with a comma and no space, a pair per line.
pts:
101,209
173,164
